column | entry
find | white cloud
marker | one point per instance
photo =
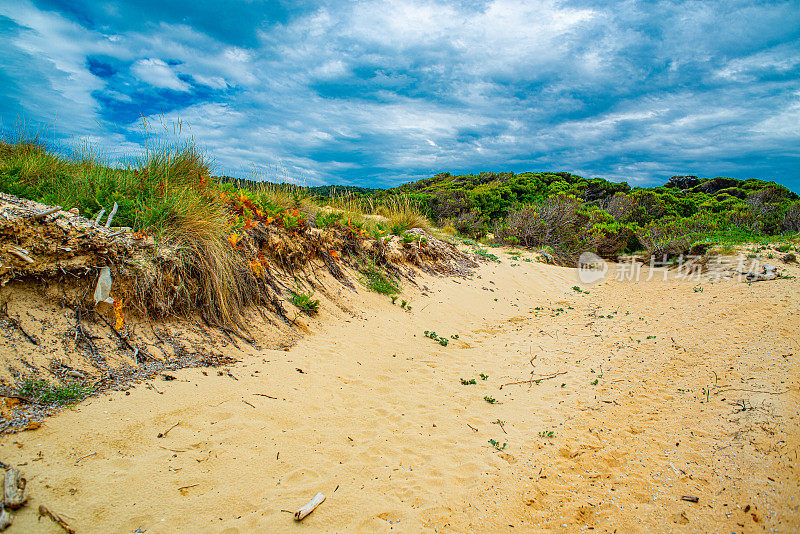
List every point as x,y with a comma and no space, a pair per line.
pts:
157,73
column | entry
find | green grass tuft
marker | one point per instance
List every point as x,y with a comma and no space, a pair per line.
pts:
43,392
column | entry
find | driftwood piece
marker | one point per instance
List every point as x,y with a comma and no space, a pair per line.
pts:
18,252
5,519
14,489
111,215
45,213
55,518
309,507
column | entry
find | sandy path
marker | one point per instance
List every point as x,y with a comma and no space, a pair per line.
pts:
379,421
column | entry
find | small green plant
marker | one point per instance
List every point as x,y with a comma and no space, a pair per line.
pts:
465,382
305,302
490,400
578,289
697,289
483,376
486,254
394,299
43,392
496,444
443,341
547,434
376,279
454,336
594,382
403,303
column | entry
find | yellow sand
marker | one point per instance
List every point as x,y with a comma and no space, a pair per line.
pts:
379,422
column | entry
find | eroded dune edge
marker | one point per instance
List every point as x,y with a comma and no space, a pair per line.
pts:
619,400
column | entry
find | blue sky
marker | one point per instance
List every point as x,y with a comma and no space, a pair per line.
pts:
381,92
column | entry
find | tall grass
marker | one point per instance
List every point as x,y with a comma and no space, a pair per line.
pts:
394,214
169,193
150,191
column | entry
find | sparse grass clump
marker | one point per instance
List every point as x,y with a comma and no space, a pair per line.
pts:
497,445
378,280
43,392
305,302
443,341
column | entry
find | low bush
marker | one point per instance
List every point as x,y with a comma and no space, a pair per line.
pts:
305,302
377,279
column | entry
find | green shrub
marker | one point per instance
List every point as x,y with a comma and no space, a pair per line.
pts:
305,302
378,280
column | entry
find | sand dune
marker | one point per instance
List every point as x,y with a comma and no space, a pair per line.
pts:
657,391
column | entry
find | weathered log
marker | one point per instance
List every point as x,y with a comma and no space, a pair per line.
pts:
14,489
5,519
111,215
309,507
45,212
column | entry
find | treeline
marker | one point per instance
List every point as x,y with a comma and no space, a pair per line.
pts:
571,214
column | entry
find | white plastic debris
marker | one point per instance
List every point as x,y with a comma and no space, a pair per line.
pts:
102,292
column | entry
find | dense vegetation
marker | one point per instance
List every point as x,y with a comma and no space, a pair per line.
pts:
570,213
172,191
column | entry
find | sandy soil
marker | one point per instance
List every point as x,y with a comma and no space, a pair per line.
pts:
663,392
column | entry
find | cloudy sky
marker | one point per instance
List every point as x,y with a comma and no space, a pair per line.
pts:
380,92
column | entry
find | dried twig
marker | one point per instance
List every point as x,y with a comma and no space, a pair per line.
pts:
501,424
84,457
753,391
164,434
267,396
15,323
532,380
55,518
172,450
247,403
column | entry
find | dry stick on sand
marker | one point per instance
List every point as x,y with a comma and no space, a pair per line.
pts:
532,380
309,507
84,457
43,511
501,424
164,434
